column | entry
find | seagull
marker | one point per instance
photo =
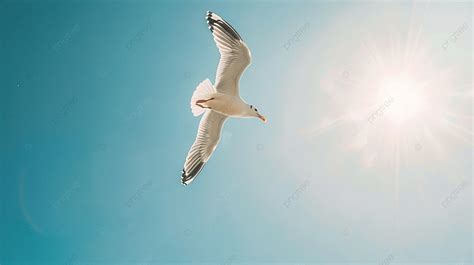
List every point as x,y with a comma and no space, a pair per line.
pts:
219,101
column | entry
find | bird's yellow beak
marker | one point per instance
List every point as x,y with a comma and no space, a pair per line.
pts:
262,118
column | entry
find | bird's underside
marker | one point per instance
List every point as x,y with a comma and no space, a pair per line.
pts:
234,59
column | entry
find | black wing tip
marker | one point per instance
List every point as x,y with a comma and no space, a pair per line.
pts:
222,24
210,21
186,179
208,16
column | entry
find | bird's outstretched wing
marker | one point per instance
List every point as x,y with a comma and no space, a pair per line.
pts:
235,55
207,138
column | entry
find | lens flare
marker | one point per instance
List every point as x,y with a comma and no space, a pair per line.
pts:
409,100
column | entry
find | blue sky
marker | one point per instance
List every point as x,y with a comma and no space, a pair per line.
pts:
95,127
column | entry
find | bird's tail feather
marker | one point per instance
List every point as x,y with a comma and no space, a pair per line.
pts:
202,91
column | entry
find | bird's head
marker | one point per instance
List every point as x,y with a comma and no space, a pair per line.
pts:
253,112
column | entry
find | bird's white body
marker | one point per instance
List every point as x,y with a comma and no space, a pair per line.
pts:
231,106
219,101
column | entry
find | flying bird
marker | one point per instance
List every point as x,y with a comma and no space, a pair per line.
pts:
219,101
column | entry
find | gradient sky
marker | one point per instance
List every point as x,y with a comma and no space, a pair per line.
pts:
95,127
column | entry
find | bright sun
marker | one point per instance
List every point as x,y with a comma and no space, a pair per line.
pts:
407,100
389,105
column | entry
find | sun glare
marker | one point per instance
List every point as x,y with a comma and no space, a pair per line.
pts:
407,99
396,104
